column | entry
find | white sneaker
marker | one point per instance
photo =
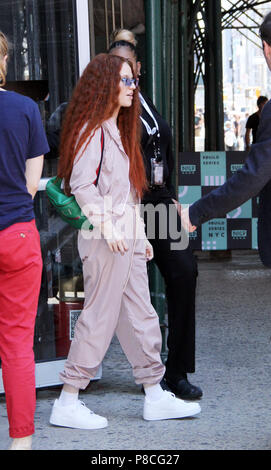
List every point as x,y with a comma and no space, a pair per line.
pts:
169,407
76,416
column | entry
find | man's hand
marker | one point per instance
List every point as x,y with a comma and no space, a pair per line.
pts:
149,251
186,223
184,214
178,207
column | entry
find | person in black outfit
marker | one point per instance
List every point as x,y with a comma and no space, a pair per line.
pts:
178,267
253,122
252,179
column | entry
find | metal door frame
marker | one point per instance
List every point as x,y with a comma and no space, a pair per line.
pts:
83,33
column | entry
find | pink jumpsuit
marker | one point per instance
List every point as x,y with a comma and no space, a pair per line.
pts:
117,298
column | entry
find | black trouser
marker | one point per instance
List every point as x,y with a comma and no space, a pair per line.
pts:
179,270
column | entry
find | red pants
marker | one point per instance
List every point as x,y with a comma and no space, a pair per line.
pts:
20,278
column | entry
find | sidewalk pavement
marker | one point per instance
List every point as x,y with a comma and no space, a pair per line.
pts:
233,368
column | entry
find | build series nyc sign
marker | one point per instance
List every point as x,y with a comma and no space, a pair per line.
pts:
201,172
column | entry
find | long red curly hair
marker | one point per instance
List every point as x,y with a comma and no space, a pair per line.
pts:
94,100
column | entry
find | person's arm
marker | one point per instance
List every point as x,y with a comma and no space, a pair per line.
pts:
244,184
53,139
37,147
88,197
33,171
249,127
247,138
83,177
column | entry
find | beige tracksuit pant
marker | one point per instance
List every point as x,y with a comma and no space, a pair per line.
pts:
117,300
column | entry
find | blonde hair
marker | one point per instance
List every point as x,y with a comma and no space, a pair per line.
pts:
3,52
123,35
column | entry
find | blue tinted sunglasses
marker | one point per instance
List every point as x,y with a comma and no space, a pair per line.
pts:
130,81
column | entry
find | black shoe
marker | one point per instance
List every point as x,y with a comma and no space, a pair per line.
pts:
164,385
183,389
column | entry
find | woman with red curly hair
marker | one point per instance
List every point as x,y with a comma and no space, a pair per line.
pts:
105,107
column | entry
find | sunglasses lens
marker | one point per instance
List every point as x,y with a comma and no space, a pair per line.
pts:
130,81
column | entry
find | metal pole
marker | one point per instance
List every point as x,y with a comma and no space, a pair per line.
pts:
218,53
91,27
154,91
121,14
166,64
154,51
106,23
174,86
184,86
214,139
113,15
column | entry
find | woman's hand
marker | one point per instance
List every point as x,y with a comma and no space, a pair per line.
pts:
117,246
113,238
149,251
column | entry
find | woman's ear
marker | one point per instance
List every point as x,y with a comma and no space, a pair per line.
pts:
138,69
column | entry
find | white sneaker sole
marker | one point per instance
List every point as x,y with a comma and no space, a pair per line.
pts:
171,415
66,423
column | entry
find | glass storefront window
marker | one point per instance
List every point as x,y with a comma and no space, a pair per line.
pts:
43,64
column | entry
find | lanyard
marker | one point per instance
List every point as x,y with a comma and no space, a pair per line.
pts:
151,131
148,128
